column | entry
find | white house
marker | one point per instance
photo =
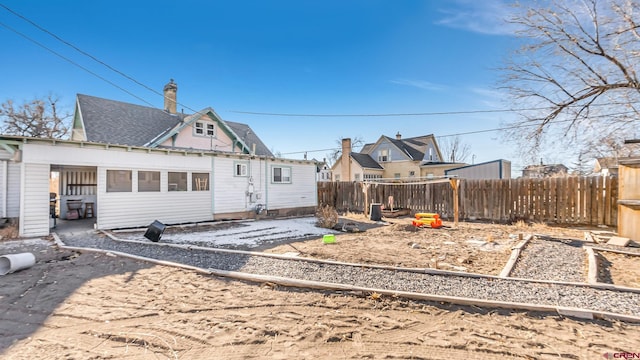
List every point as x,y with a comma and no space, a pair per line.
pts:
135,164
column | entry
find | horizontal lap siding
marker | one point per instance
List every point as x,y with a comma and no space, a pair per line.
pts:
132,209
231,191
302,191
34,217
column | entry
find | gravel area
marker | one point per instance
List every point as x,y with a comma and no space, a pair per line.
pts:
480,288
556,260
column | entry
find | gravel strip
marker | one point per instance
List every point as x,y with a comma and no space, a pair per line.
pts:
492,289
555,260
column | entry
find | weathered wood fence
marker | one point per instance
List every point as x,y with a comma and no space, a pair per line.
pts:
563,200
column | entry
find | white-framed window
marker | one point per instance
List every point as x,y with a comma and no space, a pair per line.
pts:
357,177
412,173
281,174
204,128
119,181
200,181
396,175
177,181
372,176
383,155
240,169
148,181
337,177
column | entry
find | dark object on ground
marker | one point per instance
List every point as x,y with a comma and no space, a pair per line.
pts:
395,213
376,212
155,230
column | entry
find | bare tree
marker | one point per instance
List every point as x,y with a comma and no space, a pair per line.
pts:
36,118
576,73
333,156
454,149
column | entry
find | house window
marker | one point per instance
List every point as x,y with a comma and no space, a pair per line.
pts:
337,177
148,181
118,180
202,128
396,175
280,174
240,169
357,177
383,155
412,173
200,181
177,181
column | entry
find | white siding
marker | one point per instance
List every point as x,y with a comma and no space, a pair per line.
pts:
13,189
34,214
3,188
301,192
131,209
232,192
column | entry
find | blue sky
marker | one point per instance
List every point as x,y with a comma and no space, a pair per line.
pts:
280,56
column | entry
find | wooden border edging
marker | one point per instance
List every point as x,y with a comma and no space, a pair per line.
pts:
563,311
630,253
429,271
515,254
592,272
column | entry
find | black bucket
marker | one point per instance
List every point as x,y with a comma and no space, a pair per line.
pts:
376,212
155,230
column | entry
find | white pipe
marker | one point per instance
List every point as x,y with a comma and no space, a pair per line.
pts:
14,262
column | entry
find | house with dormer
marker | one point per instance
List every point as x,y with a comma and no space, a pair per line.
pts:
392,159
127,165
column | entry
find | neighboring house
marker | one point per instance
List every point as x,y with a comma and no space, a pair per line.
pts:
389,158
138,164
497,169
323,171
544,171
607,166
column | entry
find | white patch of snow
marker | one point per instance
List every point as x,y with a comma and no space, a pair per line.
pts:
248,234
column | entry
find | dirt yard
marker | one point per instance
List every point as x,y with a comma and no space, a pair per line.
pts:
89,306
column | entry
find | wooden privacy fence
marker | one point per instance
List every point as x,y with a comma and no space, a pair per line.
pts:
563,200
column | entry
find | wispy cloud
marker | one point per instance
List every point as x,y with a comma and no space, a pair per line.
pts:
420,84
485,16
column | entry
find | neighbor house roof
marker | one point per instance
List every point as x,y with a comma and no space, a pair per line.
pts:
404,145
366,161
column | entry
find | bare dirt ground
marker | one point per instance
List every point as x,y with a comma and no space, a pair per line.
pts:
88,306
619,269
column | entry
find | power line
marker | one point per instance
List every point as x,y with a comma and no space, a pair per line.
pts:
74,63
482,131
128,77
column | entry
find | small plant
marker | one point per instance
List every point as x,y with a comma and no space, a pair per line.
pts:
327,216
9,232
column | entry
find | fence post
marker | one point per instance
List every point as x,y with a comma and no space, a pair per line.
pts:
454,185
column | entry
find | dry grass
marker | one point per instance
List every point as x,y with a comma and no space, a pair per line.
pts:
327,216
9,232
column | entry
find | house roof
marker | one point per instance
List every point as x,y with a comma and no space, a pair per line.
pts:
606,163
116,122
404,145
366,161
110,121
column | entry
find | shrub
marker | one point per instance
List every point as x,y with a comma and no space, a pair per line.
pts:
327,216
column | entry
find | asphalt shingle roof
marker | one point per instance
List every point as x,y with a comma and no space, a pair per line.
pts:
366,161
116,122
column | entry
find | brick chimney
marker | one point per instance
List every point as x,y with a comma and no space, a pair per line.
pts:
170,97
345,166
398,136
